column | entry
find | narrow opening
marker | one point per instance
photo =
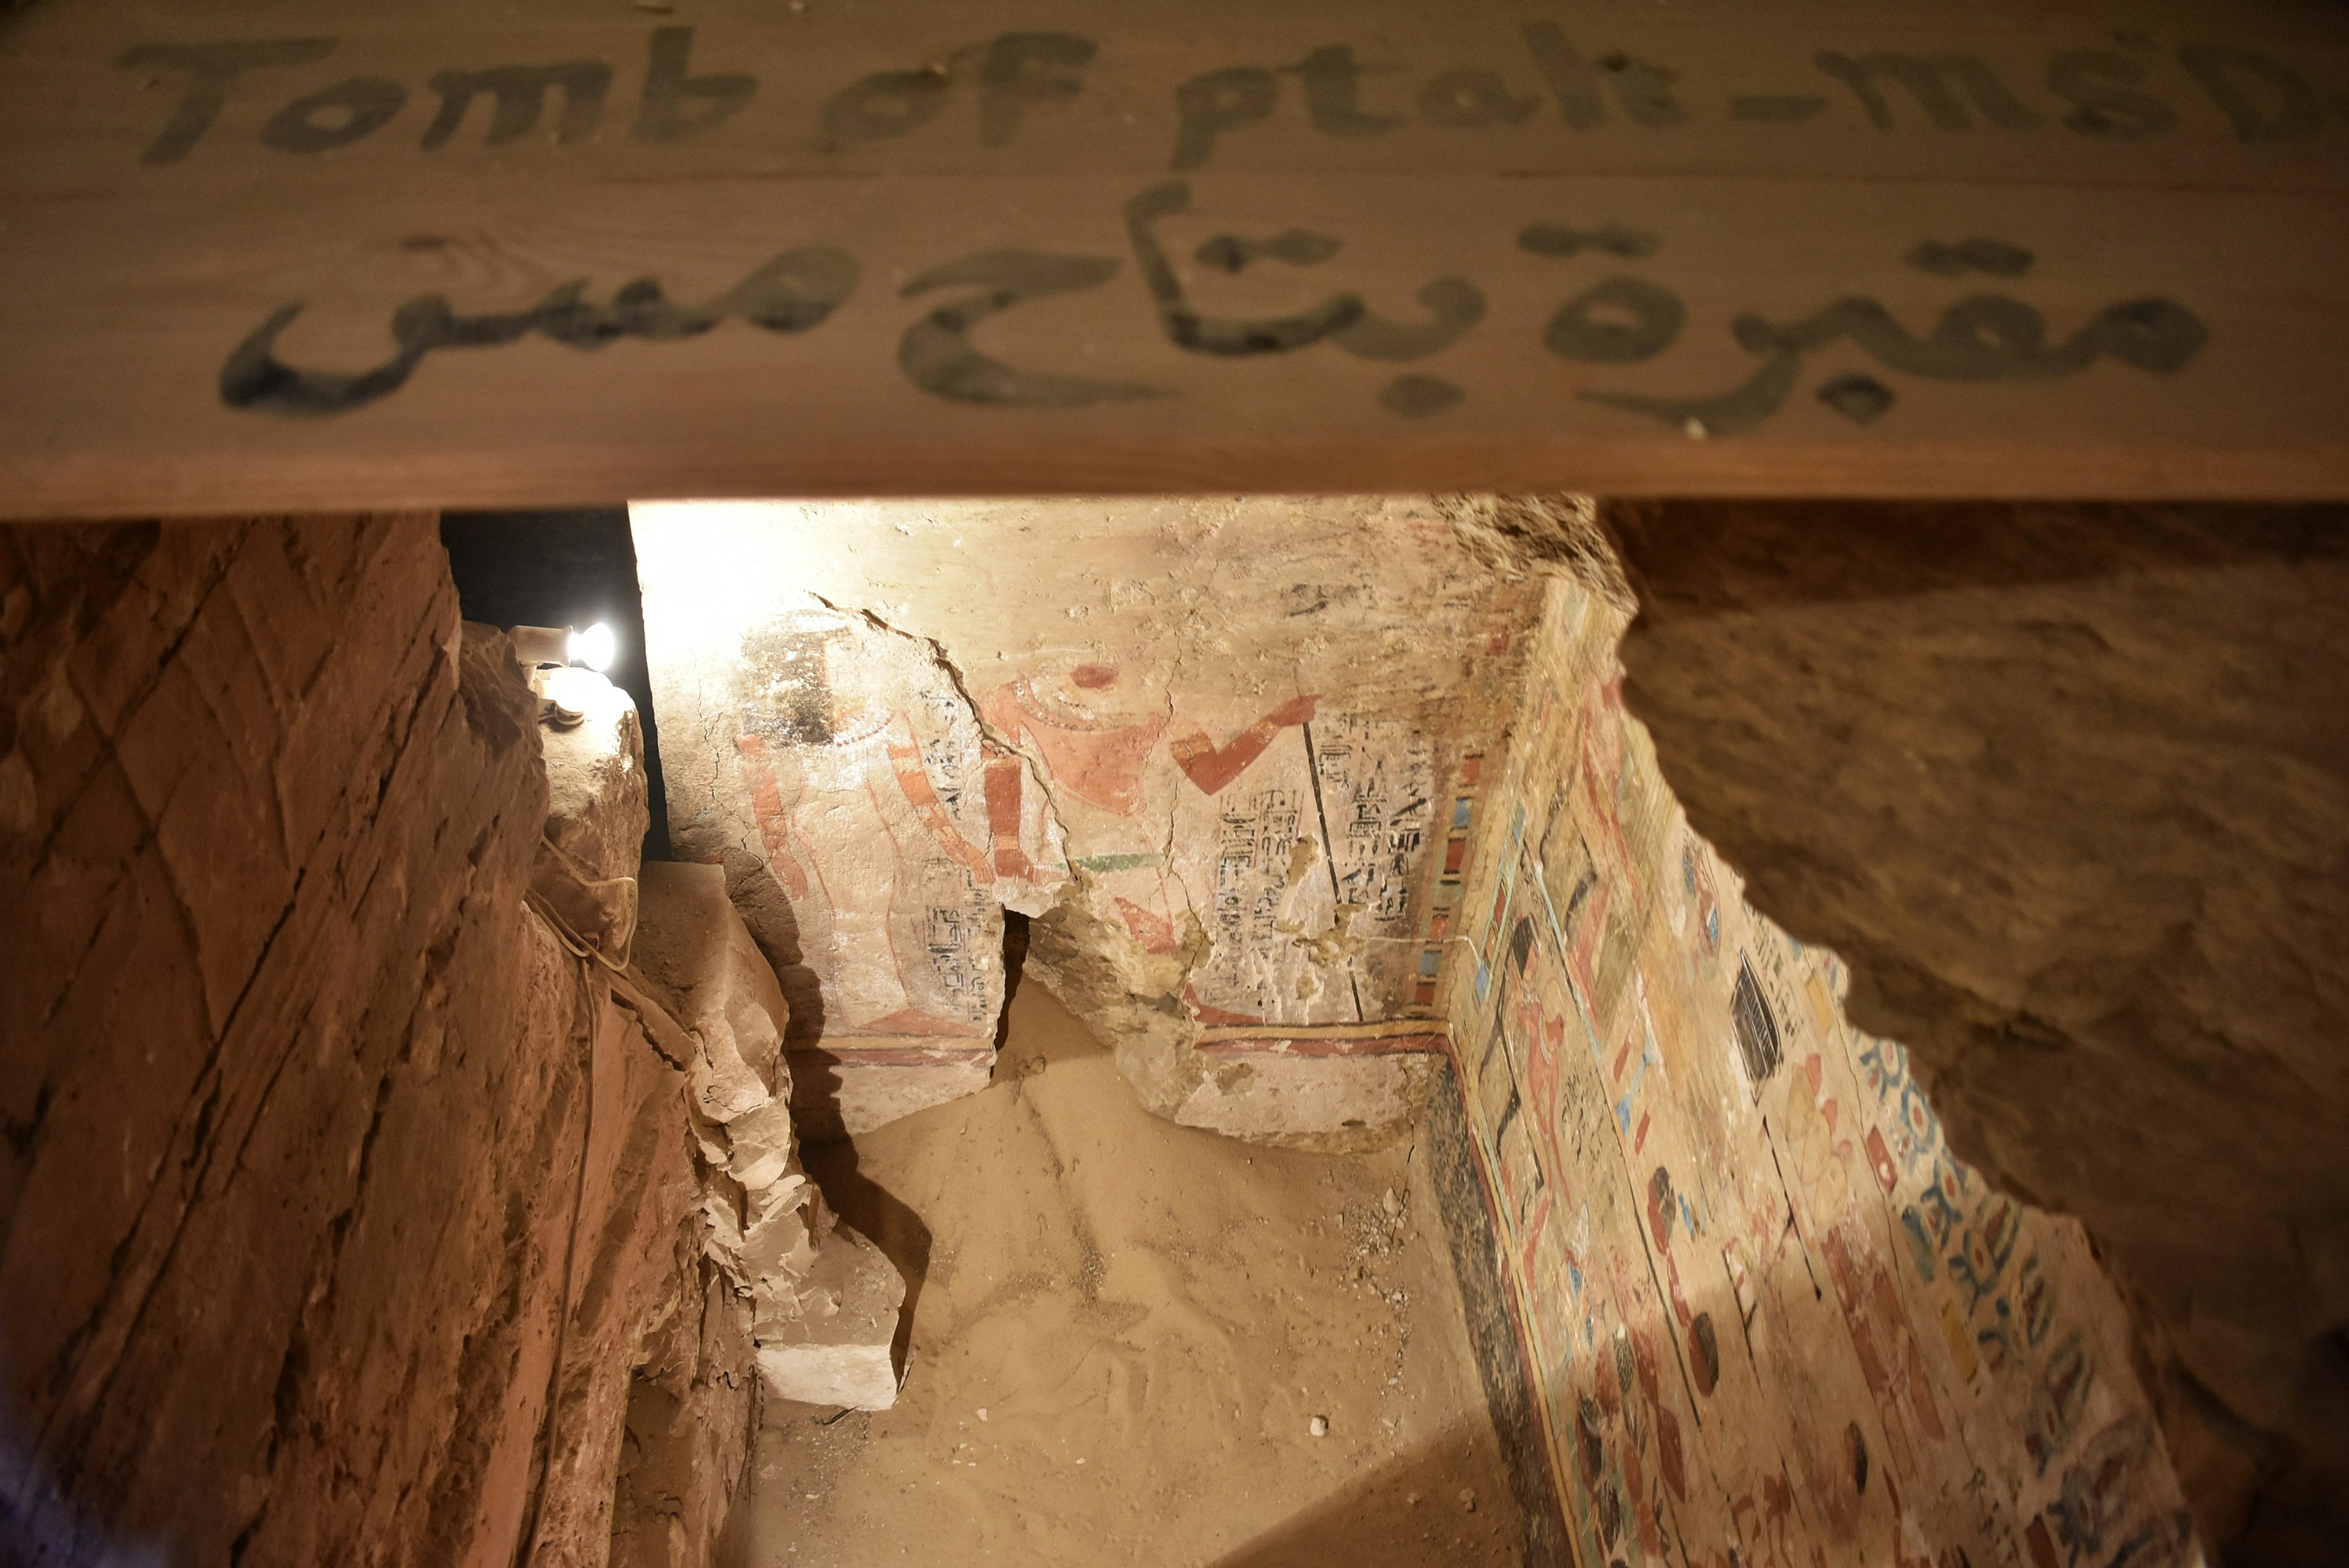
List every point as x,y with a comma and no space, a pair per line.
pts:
1015,963
571,569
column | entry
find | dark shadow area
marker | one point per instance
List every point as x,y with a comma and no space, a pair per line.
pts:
567,568
1015,963
884,1218
1692,559
1493,1332
1409,1512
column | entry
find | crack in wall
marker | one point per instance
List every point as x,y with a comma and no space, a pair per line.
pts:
1032,773
1112,686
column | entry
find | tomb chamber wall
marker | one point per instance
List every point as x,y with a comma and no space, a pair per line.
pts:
1769,1314
1212,745
2069,787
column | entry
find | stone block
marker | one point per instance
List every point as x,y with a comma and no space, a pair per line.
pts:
830,1346
1329,1101
815,1293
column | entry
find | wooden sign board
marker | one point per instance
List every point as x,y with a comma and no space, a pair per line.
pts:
254,254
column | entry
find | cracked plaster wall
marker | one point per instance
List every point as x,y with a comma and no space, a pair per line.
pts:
1215,746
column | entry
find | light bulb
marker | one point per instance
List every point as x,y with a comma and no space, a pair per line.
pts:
594,647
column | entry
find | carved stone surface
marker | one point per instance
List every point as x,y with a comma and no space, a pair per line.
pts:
1770,1315
1219,746
829,1345
2069,787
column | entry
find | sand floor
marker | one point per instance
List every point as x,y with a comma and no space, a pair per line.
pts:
1120,1333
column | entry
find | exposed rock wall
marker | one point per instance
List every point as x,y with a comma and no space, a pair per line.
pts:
1771,1318
2069,787
821,1301
339,1196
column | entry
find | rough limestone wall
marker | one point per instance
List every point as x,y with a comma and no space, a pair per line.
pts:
811,1301
1772,1318
337,1194
2069,787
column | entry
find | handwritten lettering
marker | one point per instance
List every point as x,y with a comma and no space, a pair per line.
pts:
2101,86
1616,320
793,292
884,104
334,117
1185,326
1453,304
937,354
1333,99
1995,258
1214,102
1984,337
2102,92
519,95
1299,247
1472,96
212,69
1642,88
1935,82
1863,399
2264,99
678,105
1022,69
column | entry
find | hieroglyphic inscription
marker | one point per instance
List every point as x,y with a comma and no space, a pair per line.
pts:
1318,856
1378,782
891,827
1772,1319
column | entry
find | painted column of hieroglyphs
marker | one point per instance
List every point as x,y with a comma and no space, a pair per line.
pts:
1230,726
1771,1318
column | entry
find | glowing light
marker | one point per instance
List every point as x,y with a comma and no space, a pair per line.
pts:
594,648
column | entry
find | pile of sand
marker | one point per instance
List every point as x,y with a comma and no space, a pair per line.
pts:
1122,1332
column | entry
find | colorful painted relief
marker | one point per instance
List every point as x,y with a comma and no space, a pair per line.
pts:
1306,831
1257,746
895,827
1774,1320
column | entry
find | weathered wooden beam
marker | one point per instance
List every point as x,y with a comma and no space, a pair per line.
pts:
553,252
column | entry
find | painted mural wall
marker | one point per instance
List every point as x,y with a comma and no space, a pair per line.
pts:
1243,728
1771,1319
